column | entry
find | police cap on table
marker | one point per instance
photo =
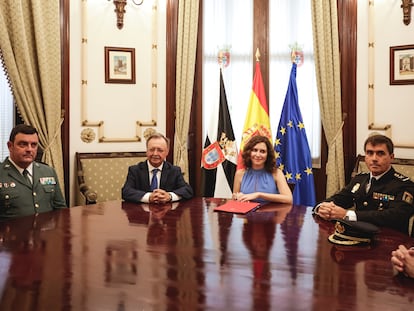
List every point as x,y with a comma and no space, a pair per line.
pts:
353,232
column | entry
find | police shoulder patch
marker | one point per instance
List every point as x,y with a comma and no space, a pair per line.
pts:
407,197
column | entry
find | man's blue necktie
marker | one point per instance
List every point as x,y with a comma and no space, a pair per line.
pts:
154,180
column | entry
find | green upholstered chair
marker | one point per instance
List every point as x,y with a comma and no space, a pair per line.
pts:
101,175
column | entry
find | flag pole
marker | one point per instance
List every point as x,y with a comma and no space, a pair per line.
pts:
293,55
220,60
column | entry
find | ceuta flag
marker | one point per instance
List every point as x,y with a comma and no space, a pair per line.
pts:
293,155
257,118
220,157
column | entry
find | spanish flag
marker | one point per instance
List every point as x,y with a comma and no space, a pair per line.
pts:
257,118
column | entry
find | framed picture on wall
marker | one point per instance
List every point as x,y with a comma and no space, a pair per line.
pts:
119,65
402,64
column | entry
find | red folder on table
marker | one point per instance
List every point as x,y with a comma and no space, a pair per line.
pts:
237,207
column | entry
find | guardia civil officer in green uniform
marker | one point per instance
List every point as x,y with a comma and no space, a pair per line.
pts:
382,197
27,187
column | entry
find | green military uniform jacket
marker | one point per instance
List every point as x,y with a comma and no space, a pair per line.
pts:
388,203
20,198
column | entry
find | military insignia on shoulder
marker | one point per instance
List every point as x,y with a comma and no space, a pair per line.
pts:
401,177
407,197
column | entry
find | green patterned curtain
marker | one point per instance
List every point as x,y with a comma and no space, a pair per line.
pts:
186,57
31,52
328,70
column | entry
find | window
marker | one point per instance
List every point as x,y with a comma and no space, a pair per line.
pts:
294,18
6,113
229,23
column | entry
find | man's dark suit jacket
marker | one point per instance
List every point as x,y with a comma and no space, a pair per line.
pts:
137,182
388,203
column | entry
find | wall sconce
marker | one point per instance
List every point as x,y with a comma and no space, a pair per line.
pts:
406,6
120,11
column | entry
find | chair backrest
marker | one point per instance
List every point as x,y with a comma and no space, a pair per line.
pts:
102,175
403,166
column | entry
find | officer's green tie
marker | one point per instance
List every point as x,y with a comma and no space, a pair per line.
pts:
26,176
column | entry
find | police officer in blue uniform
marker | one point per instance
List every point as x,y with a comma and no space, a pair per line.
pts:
27,187
382,197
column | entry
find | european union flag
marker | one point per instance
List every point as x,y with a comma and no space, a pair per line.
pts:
292,149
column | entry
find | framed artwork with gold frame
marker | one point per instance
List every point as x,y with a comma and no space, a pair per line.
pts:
402,64
119,65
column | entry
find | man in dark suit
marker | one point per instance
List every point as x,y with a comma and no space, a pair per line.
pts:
27,187
156,180
383,196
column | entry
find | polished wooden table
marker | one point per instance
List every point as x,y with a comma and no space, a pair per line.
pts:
185,256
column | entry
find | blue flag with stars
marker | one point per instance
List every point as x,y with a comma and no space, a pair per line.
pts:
293,155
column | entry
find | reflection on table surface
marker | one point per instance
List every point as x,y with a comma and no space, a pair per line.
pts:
185,256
